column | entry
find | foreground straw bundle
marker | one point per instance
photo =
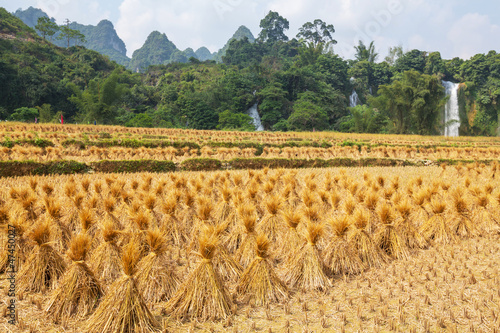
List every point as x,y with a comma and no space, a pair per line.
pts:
259,279
202,296
79,292
157,281
123,309
44,266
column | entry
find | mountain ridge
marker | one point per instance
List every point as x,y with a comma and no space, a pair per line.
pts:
104,39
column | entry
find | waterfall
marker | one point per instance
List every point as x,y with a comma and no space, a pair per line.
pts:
252,112
354,99
451,115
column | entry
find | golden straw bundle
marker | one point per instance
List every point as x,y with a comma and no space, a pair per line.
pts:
202,296
79,292
123,309
259,279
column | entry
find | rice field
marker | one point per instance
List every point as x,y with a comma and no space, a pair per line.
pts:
380,249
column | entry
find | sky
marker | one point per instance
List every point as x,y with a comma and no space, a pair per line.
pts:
456,28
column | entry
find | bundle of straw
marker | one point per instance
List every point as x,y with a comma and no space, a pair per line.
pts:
105,259
259,279
340,255
60,231
244,254
464,226
202,296
437,228
388,237
308,271
44,266
225,265
157,281
123,309
271,224
79,292
362,240
291,241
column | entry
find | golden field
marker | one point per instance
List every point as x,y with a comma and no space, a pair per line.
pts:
374,249
399,249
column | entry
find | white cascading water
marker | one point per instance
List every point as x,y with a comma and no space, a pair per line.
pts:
354,99
451,115
252,112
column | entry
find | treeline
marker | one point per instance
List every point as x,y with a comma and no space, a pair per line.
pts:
299,84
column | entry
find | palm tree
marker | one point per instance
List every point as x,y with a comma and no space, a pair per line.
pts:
367,54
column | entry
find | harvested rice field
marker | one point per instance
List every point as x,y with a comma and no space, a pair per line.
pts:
376,249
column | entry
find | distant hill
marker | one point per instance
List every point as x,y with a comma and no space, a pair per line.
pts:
101,38
157,50
204,54
240,33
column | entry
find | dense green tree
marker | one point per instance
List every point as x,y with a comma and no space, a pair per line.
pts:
363,119
317,32
307,115
273,28
235,121
413,102
140,120
412,60
45,113
24,114
273,104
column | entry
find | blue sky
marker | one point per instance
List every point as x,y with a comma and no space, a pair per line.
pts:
456,28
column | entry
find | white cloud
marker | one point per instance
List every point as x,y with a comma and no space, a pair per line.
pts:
472,34
453,27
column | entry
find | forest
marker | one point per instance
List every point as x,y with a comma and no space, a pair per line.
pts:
299,84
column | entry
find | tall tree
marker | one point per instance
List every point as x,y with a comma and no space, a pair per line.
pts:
364,53
273,28
46,27
317,32
71,34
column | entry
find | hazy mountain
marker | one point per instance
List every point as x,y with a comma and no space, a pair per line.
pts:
101,38
157,49
204,54
241,33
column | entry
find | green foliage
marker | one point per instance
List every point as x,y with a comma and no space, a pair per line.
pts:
363,119
273,28
24,114
364,53
46,27
235,121
317,32
413,102
140,120
307,115
45,112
